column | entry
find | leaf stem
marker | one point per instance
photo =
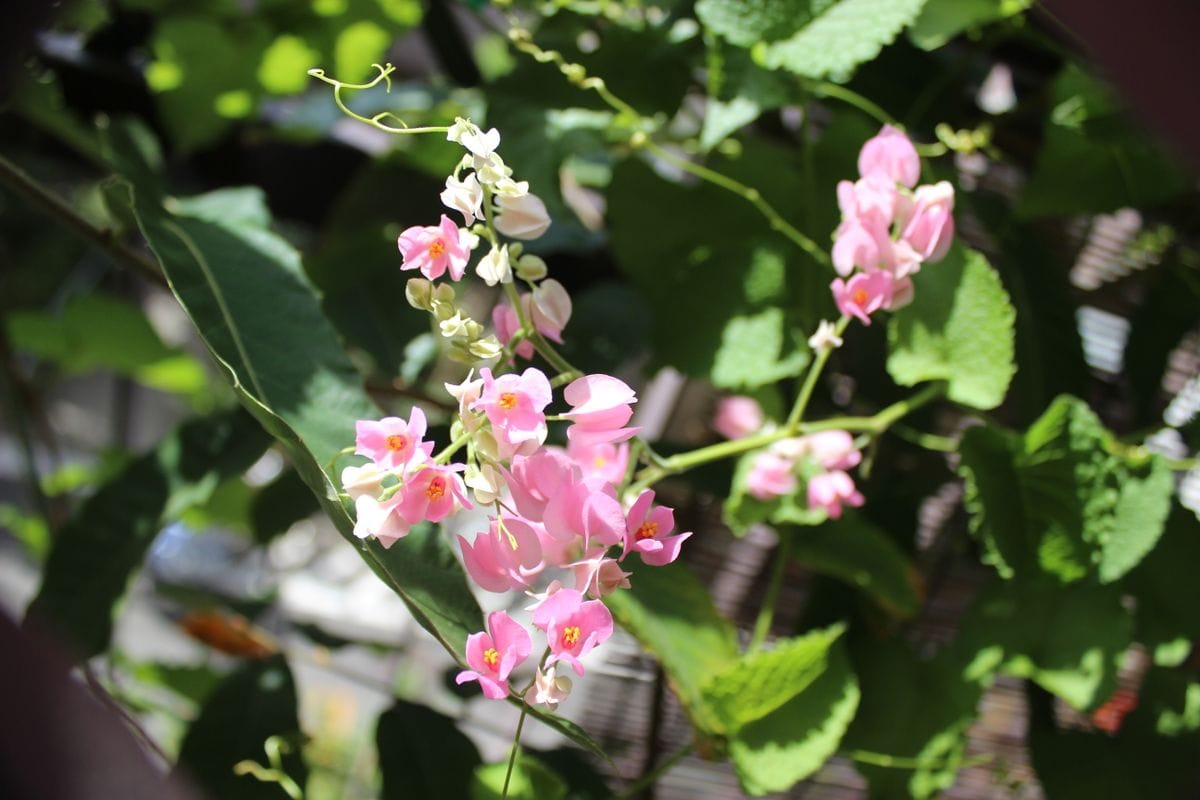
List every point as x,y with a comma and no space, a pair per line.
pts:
516,746
902,762
762,625
660,769
850,97
810,380
30,190
452,448
377,120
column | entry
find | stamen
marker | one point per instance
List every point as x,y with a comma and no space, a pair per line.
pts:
570,635
647,530
437,249
492,659
508,401
436,490
396,442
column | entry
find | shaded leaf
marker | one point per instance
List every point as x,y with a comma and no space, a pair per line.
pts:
942,20
744,22
279,505
1141,511
423,754
531,780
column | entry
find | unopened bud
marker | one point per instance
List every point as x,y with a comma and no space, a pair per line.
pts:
486,348
418,292
531,268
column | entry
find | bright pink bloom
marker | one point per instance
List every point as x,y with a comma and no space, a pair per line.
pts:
599,576
434,249
600,407
589,510
863,294
929,226
737,417
506,321
770,476
507,556
573,627
833,449
493,656
534,479
861,242
373,518
603,461
391,442
647,529
874,196
891,154
515,405
830,490
432,492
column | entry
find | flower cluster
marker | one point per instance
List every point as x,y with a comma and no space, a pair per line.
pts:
558,529
819,458
889,228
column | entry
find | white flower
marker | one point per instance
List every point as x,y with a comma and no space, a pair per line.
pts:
494,267
373,518
364,480
548,689
551,303
491,169
480,143
465,197
454,326
825,338
522,217
486,481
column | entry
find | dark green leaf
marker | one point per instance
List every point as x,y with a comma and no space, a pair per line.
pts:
105,540
254,703
959,328
423,754
942,20
744,22
279,505
1167,592
530,780
1157,327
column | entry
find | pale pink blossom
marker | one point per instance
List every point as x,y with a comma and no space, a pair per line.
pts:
435,249
433,492
833,449
551,309
494,654
391,442
861,242
830,490
599,575
507,323
522,217
549,689
890,153
902,293
506,556
647,532
379,519
863,295
587,510
929,226
770,476
737,417
600,407
873,196
604,461
905,260
465,197
573,626
515,405
363,480
534,479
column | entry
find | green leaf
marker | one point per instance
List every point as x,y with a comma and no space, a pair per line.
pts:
254,703
1093,159
992,484
1165,586
959,328
531,780
1138,519
762,681
673,616
95,331
942,20
1158,325
1073,765
856,551
845,35
739,91
744,22
423,754
106,539
752,352
279,505
787,745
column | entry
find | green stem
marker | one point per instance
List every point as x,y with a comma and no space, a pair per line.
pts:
544,348
516,746
929,441
762,625
377,120
660,769
850,97
810,380
28,189
452,448
901,762
747,193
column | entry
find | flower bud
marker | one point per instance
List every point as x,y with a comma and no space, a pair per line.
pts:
486,348
418,292
531,268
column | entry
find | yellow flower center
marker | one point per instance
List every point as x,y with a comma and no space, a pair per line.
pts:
647,530
437,249
492,659
436,490
859,296
570,635
508,401
396,442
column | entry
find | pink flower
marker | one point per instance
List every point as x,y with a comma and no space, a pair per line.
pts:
506,322
863,294
830,490
434,249
550,309
466,197
891,154
514,404
379,519
861,242
432,493
391,442
770,476
599,575
929,226
646,532
902,294
493,656
833,449
589,510
534,479
573,627
600,407
737,417
603,461
507,556
873,196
